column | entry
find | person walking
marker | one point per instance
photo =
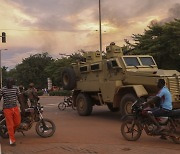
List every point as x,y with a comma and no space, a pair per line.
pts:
10,108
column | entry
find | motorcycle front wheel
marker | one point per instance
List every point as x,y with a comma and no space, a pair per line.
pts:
131,130
45,128
61,105
3,130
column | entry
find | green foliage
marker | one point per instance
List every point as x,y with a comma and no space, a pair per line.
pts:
162,41
5,74
37,68
40,92
54,70
60,93
32,69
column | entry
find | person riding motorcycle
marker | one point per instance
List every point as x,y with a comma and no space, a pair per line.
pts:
164,101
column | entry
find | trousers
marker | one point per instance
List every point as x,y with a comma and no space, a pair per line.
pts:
13,120
158,112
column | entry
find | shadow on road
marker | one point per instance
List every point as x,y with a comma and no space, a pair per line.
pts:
106,115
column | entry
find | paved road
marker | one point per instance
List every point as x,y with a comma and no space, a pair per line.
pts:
95,134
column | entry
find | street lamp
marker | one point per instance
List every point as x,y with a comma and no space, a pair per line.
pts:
100,33
0,65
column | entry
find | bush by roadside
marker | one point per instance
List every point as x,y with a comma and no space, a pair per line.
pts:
40,92
60,93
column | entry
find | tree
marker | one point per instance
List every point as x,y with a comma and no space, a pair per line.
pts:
54,70
162,41
4,75
32,69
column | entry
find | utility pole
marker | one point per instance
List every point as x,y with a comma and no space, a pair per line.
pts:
0,66
0,69
100,33
3,41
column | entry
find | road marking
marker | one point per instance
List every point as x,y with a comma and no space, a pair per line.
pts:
51,104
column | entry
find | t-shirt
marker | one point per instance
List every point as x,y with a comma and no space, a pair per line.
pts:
9,96
166,99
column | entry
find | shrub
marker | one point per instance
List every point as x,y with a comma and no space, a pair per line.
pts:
40,93
60,93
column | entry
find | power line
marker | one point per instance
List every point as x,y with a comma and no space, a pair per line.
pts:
42,30
29,30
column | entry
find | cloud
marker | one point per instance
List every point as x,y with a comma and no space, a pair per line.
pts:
14,56
173,13
59,26
66,15
120,15
51,14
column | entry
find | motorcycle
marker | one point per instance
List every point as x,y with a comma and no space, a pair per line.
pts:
68,102
133,125
44,127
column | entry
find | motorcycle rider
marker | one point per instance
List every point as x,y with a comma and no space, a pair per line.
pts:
165,105
10,108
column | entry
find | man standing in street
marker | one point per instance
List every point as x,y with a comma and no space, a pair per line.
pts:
10,108
32,94
23,100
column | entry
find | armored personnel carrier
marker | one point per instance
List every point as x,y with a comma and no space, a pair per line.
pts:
116,81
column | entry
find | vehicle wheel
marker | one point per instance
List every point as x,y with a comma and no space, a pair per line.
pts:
84,105
61,106
3,130
176,138
68,79
131,130
111,108
45,128
126,104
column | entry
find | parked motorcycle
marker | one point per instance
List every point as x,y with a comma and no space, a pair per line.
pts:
133,125
44,127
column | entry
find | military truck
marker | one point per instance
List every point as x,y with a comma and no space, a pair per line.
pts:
116,81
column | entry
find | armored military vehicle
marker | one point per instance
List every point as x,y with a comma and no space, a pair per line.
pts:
116,81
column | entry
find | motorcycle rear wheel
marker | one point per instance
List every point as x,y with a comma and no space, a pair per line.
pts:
176,132
62,106
45,128
131,130
3,130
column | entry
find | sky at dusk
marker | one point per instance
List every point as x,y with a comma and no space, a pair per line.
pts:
66,26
